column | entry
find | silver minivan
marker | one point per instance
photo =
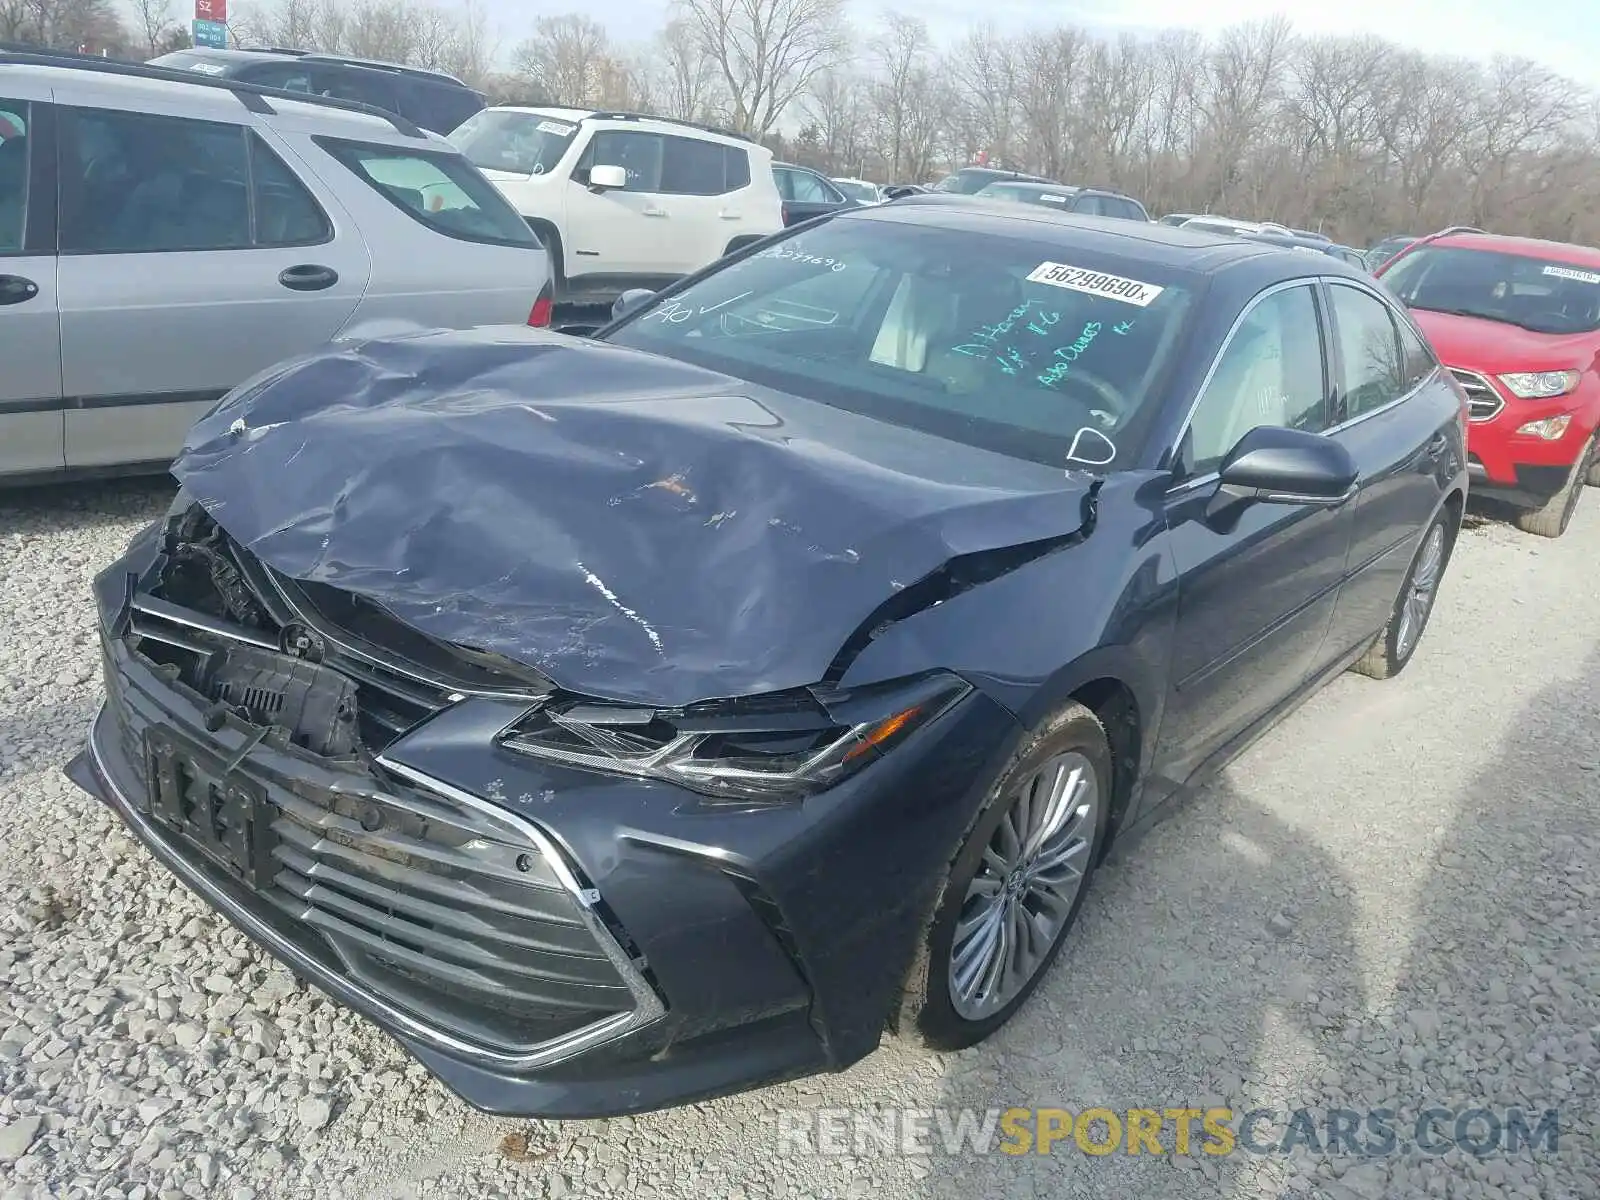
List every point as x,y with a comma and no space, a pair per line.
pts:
164,237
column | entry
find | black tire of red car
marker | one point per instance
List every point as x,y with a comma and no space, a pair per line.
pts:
1552,519
927,1011
1593,478
1388,655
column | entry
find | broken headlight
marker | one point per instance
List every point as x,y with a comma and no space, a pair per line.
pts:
774,748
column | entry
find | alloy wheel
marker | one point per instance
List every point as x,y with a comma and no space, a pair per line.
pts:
1027,881
1420,591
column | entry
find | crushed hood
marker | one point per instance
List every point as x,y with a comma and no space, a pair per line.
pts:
633,527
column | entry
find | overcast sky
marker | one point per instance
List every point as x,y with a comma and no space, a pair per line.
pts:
1564,34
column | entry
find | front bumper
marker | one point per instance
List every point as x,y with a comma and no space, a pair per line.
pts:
1518,468
729,949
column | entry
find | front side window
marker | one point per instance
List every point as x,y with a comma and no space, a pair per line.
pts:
1015,344
14,123
498,139
638,154
1542,295
441,191
1270,373
1369,351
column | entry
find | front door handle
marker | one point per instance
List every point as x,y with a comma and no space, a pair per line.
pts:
14,289
1437,445
653,211
308,278
730,214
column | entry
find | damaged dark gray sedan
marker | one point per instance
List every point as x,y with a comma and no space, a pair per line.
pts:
627,720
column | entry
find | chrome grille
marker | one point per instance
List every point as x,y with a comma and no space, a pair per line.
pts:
1483,401
429,903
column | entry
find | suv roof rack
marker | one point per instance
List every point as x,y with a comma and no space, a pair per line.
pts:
253,96
378,64
638,116
350,60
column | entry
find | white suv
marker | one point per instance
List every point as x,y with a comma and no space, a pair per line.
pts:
623,200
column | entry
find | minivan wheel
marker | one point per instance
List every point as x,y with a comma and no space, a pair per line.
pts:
1015,887
1389,654
1552,519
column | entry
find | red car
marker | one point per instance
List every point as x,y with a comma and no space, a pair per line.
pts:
1517,321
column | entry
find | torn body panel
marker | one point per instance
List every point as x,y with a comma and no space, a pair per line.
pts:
633,528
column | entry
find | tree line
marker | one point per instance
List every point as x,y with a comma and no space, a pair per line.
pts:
1356,136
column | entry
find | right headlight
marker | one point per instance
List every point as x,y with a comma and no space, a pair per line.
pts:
775,748
1540,385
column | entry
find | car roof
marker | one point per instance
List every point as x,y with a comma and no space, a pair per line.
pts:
201,98
1523,247
317,57
637,120
1168,246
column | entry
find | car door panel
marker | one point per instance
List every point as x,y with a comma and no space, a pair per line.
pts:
151,332
30,348
620,233
1257,584
1401,428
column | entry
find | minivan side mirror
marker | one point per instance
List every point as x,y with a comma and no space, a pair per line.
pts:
1273,465
629,301
605,178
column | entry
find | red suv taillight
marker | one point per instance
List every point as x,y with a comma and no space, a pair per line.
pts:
784,209
543,308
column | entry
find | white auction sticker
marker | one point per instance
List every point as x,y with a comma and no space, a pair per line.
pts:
1095,283
1569,273
555,127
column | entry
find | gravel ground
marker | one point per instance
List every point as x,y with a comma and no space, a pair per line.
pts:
1389,901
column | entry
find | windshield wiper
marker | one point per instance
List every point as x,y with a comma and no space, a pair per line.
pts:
1457,312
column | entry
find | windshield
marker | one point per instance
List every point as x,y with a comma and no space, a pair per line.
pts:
498,139
1018,345
1538,294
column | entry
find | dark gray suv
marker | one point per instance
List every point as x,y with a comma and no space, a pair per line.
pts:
432,99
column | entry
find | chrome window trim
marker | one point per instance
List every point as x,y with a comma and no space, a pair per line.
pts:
647,1004
1306,281
1312,281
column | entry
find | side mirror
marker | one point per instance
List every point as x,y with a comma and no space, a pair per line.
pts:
603,179
629,301
1271,465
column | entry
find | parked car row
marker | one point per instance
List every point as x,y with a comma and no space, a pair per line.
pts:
479,669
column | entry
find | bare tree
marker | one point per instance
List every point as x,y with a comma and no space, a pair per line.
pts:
767,51
155,23
836,106
900,53
568,56
688,78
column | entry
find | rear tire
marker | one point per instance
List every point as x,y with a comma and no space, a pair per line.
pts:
1408,620
1552,519
1593,478
1059,784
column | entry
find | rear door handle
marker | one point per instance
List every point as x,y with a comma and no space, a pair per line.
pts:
1437,445
730,214
14,289
653,211
308,278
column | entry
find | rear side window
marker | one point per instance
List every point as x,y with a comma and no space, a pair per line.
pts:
1416,357
1369,351
134,183
438,107
13,173
356,83
695,167
442,191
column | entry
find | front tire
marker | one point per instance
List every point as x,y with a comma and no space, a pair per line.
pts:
1392,650
1552,519
1014,888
